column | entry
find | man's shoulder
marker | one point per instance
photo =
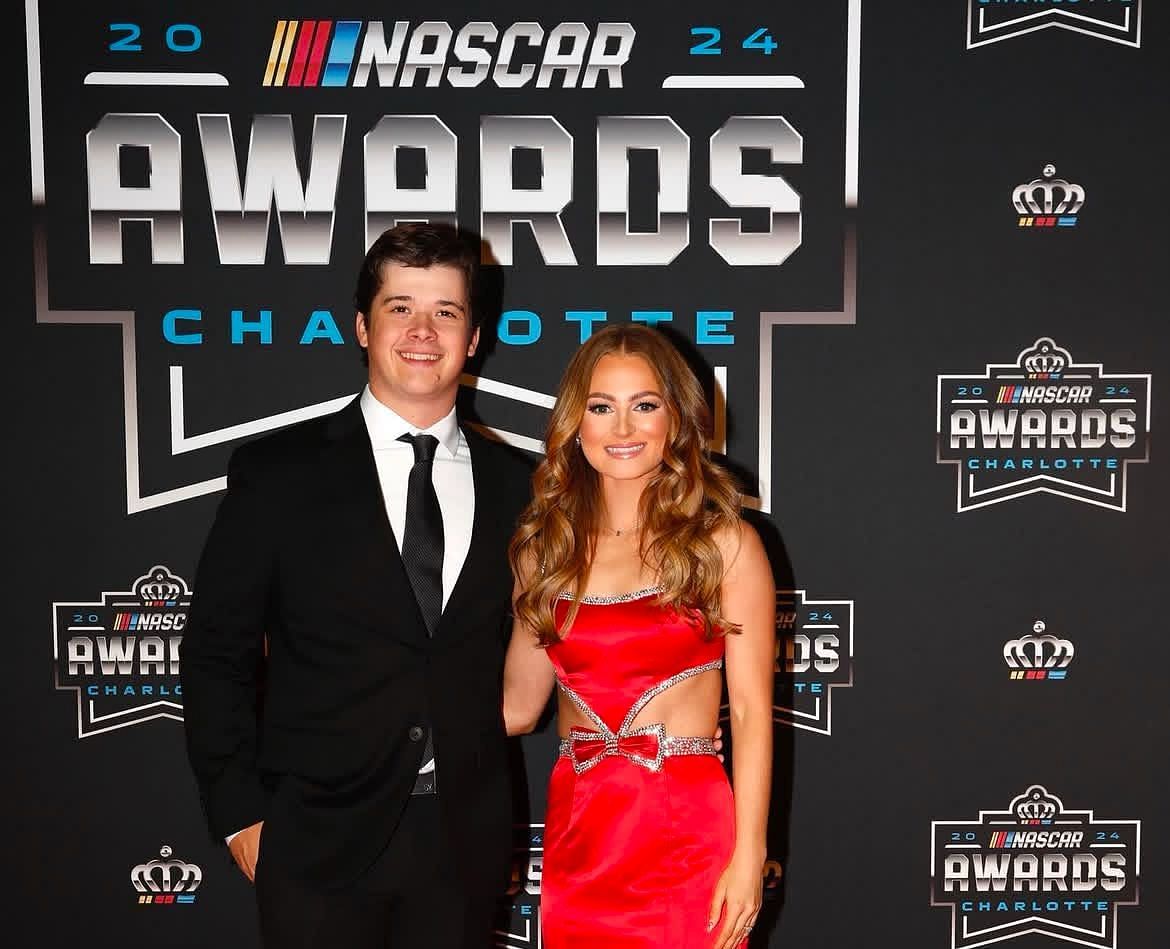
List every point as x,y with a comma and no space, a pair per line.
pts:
297,444
498,454
508,469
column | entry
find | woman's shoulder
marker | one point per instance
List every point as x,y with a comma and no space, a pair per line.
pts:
738,542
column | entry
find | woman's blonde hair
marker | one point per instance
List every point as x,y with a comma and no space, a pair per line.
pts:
684,503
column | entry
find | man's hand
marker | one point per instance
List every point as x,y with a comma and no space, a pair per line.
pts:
718,741
245,849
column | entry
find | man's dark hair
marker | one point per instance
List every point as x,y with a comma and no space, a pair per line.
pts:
419,244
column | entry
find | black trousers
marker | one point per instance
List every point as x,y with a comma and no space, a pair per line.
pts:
411,898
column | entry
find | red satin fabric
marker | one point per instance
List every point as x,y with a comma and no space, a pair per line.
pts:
631,857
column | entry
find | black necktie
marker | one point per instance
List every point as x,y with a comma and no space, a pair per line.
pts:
422,555
422,541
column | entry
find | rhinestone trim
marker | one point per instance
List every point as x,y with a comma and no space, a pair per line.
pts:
663,686
667,745
607,599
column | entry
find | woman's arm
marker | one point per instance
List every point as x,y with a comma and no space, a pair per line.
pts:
749,599
528,676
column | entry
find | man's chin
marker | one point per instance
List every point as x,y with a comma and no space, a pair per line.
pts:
417,388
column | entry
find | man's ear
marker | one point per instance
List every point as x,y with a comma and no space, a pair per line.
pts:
362,330
473,343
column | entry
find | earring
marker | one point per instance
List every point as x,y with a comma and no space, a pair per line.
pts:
578,440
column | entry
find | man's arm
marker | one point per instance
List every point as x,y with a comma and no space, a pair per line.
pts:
222,651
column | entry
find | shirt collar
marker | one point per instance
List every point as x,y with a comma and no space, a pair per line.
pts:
385,426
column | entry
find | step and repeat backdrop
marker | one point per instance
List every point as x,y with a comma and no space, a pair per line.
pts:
913,251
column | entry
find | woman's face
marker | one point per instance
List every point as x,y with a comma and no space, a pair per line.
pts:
626,422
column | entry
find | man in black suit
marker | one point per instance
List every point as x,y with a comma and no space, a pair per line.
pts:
342,662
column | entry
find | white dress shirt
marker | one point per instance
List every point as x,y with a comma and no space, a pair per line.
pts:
451,474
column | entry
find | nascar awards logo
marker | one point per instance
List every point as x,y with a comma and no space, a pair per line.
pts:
518,922
166,881
1038,656
1115,21
309,53
120,654
1043,423
1036,867
1048,201
814,657
574,148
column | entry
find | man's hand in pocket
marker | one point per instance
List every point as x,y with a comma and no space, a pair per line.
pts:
245,848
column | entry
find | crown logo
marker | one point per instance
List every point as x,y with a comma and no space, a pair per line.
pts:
1036,804
159,585
1040,195
166,875
1045,358
1038,655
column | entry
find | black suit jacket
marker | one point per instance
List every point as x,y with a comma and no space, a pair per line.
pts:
320,737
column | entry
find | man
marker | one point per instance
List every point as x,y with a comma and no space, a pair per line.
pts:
342,662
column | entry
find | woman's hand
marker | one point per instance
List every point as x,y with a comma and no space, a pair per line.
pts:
737,899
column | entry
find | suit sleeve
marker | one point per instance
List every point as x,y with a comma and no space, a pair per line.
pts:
223,648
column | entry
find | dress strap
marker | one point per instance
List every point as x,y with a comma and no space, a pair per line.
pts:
582,706
663,686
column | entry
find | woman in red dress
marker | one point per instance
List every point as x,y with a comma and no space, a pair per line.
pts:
638,587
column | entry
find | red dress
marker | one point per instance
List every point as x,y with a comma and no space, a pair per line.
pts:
640,824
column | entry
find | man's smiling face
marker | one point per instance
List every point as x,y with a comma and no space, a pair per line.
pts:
418,335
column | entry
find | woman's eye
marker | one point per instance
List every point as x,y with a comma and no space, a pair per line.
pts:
599,408
646,406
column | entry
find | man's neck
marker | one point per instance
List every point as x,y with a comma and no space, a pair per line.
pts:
419,414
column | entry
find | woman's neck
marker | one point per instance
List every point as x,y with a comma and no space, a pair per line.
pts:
619,507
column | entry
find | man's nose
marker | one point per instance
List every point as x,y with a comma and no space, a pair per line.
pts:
422,325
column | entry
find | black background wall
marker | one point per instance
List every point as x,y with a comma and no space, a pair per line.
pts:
900,278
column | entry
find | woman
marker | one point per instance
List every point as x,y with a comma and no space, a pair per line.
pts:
636,580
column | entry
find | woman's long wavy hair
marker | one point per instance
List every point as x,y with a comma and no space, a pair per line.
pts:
682,505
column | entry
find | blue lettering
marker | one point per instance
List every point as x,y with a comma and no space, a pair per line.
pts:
586,318
171,333
711,327
321,326
652,317
261,326
529,336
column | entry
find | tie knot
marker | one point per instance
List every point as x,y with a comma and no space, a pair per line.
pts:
424,445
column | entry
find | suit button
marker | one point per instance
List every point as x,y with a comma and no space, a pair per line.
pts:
415,733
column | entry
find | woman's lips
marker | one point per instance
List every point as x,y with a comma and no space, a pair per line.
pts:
624,451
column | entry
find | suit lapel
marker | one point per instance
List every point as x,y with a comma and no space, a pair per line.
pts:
368,525
487,531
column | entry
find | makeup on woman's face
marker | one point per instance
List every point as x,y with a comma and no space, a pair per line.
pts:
626,421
